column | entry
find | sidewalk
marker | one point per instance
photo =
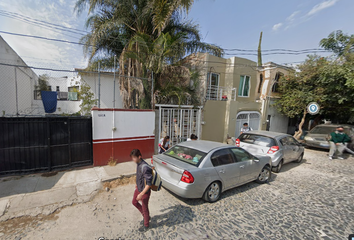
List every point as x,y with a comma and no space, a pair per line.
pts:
36,194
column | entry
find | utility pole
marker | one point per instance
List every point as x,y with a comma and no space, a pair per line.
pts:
114,82
260,51
152,90
99,85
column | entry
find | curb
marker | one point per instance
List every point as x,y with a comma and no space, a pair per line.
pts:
108,179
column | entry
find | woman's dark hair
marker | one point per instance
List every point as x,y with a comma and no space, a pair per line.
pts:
194,137
164,141
136,153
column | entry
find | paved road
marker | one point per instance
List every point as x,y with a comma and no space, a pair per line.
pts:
312,200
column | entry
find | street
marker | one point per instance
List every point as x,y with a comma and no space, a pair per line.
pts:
311,200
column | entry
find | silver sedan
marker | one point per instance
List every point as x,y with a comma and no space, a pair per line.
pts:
204,169
281,147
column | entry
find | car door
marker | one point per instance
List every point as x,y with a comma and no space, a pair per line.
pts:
294,146
287,149
226,167
249,168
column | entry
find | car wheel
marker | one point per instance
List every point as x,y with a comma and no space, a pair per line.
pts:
265,175
213,192
278,168
299,160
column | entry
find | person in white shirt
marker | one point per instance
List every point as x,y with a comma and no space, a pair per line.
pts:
164,144
193,137
245,128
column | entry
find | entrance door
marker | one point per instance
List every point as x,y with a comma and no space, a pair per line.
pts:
252,118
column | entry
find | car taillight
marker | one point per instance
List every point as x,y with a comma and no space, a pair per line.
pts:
237,143
187,177
152,160
273,149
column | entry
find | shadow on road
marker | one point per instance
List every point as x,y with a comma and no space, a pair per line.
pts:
173,215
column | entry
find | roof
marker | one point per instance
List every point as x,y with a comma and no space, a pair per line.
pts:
201,145
335,125
268,133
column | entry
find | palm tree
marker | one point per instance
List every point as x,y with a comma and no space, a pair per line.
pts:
144,34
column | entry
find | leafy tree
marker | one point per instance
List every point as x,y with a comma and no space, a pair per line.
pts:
87,99
300,88
43,84
128,27
339,43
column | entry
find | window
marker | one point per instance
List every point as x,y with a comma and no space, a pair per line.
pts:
257,140
187,155
212,86
244,87
58,90
260,83
241,155
222,157
275,87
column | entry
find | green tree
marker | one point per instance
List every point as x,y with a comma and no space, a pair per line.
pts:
338,42
87,99
43,84
300,88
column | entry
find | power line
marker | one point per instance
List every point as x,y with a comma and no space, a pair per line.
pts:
71,71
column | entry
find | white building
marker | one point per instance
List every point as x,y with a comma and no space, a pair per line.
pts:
16,83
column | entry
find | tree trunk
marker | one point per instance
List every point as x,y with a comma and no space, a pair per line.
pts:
298,134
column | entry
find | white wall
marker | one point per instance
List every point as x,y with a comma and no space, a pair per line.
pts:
9,75
278,121
127,123
107,83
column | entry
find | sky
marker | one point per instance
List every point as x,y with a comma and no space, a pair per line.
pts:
288,24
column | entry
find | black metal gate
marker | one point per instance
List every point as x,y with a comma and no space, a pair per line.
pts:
44,143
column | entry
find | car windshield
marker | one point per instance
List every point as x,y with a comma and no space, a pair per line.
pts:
257,140
323,130
185,154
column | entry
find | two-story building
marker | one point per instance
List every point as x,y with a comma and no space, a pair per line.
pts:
237,91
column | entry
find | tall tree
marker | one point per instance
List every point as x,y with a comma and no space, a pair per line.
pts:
123,27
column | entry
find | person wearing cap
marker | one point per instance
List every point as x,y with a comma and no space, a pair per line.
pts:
338,142
245,128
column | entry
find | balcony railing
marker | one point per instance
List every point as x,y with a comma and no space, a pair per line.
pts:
220,93
63,96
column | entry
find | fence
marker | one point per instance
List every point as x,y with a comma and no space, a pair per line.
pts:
44,143
220,93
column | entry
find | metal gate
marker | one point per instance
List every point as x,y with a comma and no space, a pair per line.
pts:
44,143
252,118
178,122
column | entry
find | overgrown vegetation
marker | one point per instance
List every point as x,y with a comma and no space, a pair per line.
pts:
87,99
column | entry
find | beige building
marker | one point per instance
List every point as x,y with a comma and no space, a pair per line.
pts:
235,91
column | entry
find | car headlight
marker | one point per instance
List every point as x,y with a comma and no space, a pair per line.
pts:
308,138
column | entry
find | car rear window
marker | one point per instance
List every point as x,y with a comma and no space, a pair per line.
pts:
258,140
185,154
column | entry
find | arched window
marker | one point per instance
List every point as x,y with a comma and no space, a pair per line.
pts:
275,87
260,83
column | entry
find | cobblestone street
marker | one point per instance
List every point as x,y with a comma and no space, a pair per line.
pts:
311,200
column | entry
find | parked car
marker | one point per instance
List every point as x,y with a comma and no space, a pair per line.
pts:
280,147
205,169
318,136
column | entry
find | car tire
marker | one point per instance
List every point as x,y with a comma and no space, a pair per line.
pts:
265,175
299,160
213,192
279,167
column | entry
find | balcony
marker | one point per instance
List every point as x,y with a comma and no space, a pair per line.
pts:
218,93
61,96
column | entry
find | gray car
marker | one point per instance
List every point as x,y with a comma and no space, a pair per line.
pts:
280,147
318,137
205,169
